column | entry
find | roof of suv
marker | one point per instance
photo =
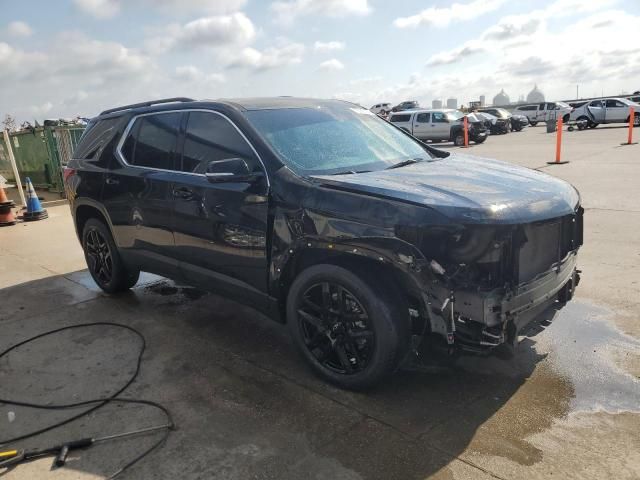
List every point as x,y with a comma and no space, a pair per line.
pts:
265,103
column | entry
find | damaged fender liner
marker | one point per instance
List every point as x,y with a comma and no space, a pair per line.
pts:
483,320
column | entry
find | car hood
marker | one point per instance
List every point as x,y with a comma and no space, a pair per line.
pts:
467,189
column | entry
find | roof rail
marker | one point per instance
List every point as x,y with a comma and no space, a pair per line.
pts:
147,104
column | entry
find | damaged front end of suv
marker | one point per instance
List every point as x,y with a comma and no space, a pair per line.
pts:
481,247
483,283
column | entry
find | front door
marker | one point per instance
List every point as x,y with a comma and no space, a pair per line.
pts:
616,111
220,228
421,125
137,192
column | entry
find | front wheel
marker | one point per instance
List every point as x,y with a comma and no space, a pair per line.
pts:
353,333
636,120
533,123
104,262
480,140
458,140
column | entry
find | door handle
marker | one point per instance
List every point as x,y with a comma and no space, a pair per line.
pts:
182,192
111,181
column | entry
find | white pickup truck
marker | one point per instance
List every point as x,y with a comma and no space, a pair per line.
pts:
542,112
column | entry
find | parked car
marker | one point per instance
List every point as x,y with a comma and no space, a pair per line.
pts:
503,123
381,108
486,118
518,122
606,110
438,125
357,235
408,105
545,111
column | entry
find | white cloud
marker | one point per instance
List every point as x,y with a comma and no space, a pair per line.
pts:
269,58
328,46
42,109
442,17
215,7
103,9
191,73
214,32
19,29
455,55
332,65
287,11
99,8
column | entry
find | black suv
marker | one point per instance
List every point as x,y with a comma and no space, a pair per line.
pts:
319,213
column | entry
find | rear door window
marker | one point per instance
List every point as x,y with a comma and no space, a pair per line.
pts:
152,141
400,118
423,118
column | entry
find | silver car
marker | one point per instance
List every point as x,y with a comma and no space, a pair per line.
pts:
606,110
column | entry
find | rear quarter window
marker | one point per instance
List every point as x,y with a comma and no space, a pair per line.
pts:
96,136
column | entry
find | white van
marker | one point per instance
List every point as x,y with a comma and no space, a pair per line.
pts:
541,112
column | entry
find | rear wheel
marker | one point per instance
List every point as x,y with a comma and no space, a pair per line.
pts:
352,333
104,262
593,125
458,139
636,120
480,140
533,123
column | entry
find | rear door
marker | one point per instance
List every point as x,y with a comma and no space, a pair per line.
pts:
421,125
137,191
541,114
220,228
597,110
440,126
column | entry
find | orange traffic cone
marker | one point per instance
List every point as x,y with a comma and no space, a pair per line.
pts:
6,214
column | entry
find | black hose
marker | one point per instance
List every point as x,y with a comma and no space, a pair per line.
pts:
96,403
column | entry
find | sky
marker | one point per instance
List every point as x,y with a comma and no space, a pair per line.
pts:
76,57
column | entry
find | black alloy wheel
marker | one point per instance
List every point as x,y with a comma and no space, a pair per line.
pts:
103,259
353,332
99,257
336,328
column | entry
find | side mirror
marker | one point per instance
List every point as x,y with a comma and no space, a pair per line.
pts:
229,170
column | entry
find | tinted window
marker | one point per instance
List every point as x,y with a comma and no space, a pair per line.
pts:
96,135
439,117
615,104
596,103
152,141
527,108
400,118
212,137
422,118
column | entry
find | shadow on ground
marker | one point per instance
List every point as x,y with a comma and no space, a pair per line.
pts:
244,401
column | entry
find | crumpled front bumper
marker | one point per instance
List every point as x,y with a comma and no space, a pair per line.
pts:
480,321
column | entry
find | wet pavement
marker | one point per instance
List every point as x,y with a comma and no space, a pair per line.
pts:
246,405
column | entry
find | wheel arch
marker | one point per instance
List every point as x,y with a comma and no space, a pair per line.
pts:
365,262
86,209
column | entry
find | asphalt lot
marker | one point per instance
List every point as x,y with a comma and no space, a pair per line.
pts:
247,406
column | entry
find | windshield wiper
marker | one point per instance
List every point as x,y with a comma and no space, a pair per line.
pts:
404,163
351,172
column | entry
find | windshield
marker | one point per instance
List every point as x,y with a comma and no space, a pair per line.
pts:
455,115
334,139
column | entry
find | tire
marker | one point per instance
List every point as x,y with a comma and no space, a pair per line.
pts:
636,120
593,125
480,140
458,140
103,259
566,118
533,123
355,354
